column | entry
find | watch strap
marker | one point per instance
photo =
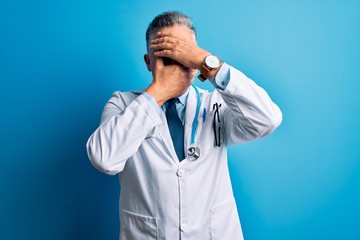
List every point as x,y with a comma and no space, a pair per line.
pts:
202,77
204,72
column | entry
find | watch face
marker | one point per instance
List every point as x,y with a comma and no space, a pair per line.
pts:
212,61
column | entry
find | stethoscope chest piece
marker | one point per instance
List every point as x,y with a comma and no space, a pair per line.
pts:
193,153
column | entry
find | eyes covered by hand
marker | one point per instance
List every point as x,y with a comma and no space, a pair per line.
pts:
178,43
168,61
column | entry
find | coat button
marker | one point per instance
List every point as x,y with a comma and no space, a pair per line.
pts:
184,227
180,172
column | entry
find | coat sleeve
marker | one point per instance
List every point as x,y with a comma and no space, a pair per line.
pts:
249,112
122,130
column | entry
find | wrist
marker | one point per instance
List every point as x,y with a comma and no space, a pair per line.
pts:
214,72
157,94
200,58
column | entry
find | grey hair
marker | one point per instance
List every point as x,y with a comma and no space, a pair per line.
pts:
168,19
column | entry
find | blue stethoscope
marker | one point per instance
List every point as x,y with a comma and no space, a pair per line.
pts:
193,151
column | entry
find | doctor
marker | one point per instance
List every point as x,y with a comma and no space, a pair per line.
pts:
168,142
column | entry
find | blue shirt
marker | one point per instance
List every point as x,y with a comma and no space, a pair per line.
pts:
220,81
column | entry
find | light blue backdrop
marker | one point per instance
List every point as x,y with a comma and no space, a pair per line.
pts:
61,60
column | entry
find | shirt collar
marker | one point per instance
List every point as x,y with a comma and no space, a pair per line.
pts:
183,98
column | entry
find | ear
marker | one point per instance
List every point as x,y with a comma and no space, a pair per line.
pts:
147,61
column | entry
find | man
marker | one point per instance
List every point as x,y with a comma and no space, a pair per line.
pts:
168,142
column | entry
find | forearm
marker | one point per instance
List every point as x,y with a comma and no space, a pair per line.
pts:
120,136
250,112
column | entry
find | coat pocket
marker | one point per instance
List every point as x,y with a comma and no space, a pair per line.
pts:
139,227
224,222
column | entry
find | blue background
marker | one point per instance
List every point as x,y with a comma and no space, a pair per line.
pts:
60,61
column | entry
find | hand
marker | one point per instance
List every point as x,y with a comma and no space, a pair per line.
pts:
179,47
169,81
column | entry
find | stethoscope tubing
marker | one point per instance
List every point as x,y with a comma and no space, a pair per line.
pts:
195,122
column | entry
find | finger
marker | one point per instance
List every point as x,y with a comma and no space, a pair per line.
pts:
160,39
162,34
172,37
166,37
163,40
163,47
164,53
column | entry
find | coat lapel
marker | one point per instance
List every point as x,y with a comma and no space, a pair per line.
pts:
164,133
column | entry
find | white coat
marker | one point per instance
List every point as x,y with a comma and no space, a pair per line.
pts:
161,197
